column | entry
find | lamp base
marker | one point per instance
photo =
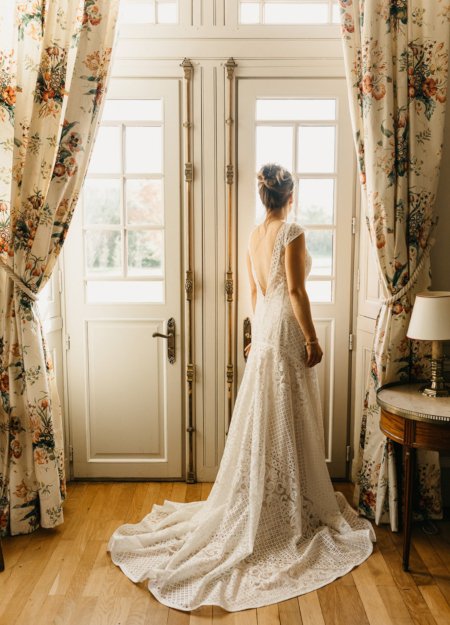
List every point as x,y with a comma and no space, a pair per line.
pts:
437,386
435,392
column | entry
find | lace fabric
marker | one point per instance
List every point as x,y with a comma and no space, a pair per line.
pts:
272,527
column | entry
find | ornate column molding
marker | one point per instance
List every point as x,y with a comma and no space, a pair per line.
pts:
189,285
230,67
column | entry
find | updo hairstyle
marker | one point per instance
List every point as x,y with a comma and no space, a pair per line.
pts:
275,185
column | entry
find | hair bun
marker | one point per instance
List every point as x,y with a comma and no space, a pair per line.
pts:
272,175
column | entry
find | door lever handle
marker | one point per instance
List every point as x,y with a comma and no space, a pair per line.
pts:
170,336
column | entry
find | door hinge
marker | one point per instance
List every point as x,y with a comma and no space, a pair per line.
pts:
60,281
353,225
347,454
70,453
350,342
358,280
67,342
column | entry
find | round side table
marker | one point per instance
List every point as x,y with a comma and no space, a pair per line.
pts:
414,421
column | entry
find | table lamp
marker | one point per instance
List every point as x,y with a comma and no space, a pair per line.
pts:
430,321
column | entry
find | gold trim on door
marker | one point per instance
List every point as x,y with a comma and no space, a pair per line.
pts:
230,66
188,69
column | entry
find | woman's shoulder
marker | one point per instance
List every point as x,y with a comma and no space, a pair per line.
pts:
292,231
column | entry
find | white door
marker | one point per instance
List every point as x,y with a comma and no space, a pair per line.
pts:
122,277
304,125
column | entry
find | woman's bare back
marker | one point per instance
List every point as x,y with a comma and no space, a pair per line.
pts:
262,242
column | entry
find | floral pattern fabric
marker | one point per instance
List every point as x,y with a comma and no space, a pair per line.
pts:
54,63
396,57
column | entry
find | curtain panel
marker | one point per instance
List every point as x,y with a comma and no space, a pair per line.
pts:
396,60
54,64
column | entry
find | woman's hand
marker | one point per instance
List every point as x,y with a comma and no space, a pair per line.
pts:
247,350
314,354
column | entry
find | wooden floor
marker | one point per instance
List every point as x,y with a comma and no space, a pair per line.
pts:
65,577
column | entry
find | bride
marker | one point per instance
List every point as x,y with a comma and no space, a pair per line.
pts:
272,527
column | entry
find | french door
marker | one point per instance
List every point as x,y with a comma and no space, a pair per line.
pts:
304,125
122,276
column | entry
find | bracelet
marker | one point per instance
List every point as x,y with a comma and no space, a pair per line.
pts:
313,342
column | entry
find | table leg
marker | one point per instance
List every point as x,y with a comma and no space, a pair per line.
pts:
408,469
398,450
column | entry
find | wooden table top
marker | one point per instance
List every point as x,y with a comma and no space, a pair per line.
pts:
406,400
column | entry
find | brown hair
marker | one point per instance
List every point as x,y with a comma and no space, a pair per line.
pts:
275,185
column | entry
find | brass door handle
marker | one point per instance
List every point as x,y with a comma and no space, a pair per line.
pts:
170,336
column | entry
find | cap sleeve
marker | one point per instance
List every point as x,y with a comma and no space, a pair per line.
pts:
292,232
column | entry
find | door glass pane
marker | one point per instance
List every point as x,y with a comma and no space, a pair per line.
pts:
319,292
274,145
167,13
98,292
144,202
103,252
316,149
106,153
295,109
101,199
249,13
132,110
145,252
137,12
316,201
320,246
289,13
143,149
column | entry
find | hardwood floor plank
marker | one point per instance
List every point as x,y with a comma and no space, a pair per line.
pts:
246,617
109,611
202,616
439,607
289,612
395,605
177,617
350,605
310,609
206,489
219,615
193,492
371,599
268,615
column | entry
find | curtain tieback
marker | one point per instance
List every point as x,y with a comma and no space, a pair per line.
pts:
18,281
408,286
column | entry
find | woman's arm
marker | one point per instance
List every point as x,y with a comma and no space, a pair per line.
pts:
295,263
252,281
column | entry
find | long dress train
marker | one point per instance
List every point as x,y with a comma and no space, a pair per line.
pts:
272,527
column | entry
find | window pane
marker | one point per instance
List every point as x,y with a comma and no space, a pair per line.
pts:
319,292
145,252
143,150
132,110
274,145
124,292
316,149
137,12
101,199
167,13
320,246
295,109
103,252
106,153
336,16
249,13
316,201
289,13
144,202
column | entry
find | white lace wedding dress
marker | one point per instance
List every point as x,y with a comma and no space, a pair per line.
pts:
272,527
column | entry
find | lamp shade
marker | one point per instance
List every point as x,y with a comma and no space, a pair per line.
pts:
430,319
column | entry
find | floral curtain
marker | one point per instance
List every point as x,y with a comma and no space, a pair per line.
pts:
54,62
396,57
